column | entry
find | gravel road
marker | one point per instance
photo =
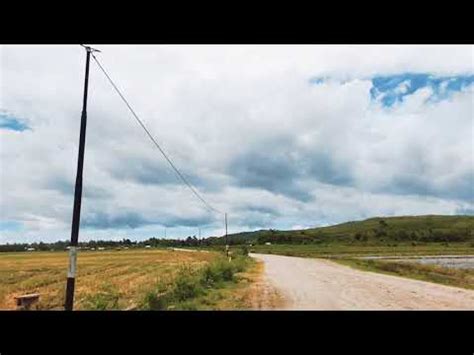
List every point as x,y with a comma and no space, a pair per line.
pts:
319,284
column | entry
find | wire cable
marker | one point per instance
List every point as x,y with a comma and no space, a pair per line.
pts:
176,170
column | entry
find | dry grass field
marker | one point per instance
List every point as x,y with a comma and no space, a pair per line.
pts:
116,279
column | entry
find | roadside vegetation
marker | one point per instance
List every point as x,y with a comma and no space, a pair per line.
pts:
200,289
353,250
448,276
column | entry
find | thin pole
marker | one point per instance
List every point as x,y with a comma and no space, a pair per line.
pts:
226,241
76,215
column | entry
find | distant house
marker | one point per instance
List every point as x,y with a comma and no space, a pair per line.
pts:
101,248
268,243
92,248
30,249
147,246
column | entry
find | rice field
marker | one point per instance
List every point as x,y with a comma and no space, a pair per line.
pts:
125,275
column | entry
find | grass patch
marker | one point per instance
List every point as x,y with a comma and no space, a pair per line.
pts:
341,250
106,299
448,276
197,288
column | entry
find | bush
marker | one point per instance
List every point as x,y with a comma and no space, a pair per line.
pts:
190,285
216,272
157,300
107,298
186,287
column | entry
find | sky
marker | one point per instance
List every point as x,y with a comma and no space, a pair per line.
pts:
283,137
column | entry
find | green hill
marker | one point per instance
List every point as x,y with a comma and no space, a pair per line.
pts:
380,230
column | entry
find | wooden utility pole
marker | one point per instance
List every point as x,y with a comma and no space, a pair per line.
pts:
76,215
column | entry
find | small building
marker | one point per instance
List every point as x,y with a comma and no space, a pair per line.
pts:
101,248
268,243
147,246
30,249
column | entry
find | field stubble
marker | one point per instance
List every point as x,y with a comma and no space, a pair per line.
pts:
124,275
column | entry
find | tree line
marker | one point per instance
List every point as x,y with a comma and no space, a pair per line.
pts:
382,233
190,241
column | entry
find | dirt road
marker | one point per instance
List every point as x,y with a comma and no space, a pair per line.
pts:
318,284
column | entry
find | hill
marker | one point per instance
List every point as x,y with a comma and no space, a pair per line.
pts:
379,230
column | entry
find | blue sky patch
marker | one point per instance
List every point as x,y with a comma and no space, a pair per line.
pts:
10,226
391,89
317,80
12,123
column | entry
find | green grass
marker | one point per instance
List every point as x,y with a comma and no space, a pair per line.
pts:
340,250
107,298
448,276
194,289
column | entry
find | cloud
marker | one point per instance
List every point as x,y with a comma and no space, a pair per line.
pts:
276,136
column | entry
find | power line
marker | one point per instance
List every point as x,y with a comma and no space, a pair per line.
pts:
191,187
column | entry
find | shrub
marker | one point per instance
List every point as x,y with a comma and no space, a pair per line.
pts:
189,284
186,287
107,298
156,300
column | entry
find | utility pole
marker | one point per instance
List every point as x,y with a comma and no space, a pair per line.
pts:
76,215
226,241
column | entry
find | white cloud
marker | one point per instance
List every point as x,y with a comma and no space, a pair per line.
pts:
213,106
